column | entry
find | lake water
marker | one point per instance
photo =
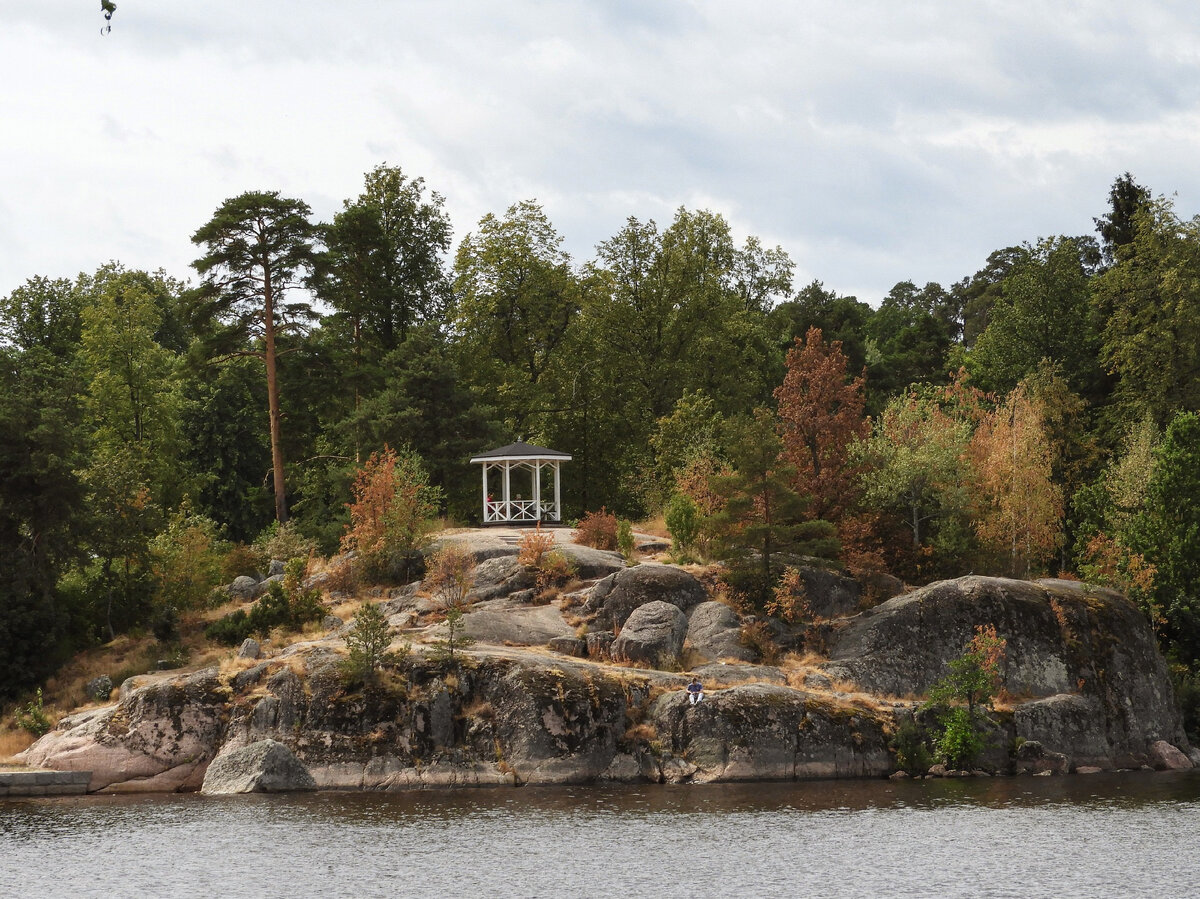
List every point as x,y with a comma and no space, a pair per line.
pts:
1085,836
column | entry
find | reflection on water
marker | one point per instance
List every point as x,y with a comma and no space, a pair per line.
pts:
1098,835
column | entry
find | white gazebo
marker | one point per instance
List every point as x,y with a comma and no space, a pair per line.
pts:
519,474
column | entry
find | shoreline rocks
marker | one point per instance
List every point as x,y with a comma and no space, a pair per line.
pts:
1098,699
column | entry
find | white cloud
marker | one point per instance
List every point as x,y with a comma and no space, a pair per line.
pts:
876,141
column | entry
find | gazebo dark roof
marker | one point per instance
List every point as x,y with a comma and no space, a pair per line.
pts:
520,450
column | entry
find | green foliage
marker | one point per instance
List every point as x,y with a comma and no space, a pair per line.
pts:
912,752
1117,227
1043,313
1186,682
1167,532
423,400
286,605
33,718
165,625
284,542
133,396
625,541
974,679
683,522
455,639
382,268
763,516
1149,302
516,300
910,337
226,448
633,362
974,676
230,629
367,640
840,318
914,466
186,559
960,742
692,429
258,247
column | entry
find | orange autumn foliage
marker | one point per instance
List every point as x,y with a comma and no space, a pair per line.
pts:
1021,508
820,416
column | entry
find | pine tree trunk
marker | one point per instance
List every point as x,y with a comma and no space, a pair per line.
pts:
273,396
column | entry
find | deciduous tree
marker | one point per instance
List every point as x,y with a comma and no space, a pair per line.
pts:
820,416
1020,516
913,464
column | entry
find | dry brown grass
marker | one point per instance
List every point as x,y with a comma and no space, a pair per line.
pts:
655,526
123,657
12,742
644,732
479,710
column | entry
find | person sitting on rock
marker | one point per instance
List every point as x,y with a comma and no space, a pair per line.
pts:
695,691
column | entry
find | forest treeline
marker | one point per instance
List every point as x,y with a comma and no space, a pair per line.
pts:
1037,416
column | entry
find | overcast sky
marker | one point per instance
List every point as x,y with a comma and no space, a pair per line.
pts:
874,141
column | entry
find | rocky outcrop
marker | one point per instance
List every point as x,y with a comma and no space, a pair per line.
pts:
263,767
503,621
653,635
1034,758
830,595
1095,691
1087,657
590,563
159,738
568,646
771,732
1165,757
615,597
715,632
500,576
242,588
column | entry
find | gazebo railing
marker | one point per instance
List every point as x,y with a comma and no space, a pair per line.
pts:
519,510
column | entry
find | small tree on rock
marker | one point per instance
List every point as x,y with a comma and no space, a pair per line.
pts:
974,679
368,640
763,516
448,577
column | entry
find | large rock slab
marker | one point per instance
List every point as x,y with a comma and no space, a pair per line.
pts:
1063,637
616,596
503,622
771,732
719,674
590,563
1165,757
556,725
158,738
500,576
715,632
653,635
243,588
267,766
830,595
481,544
1071,724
